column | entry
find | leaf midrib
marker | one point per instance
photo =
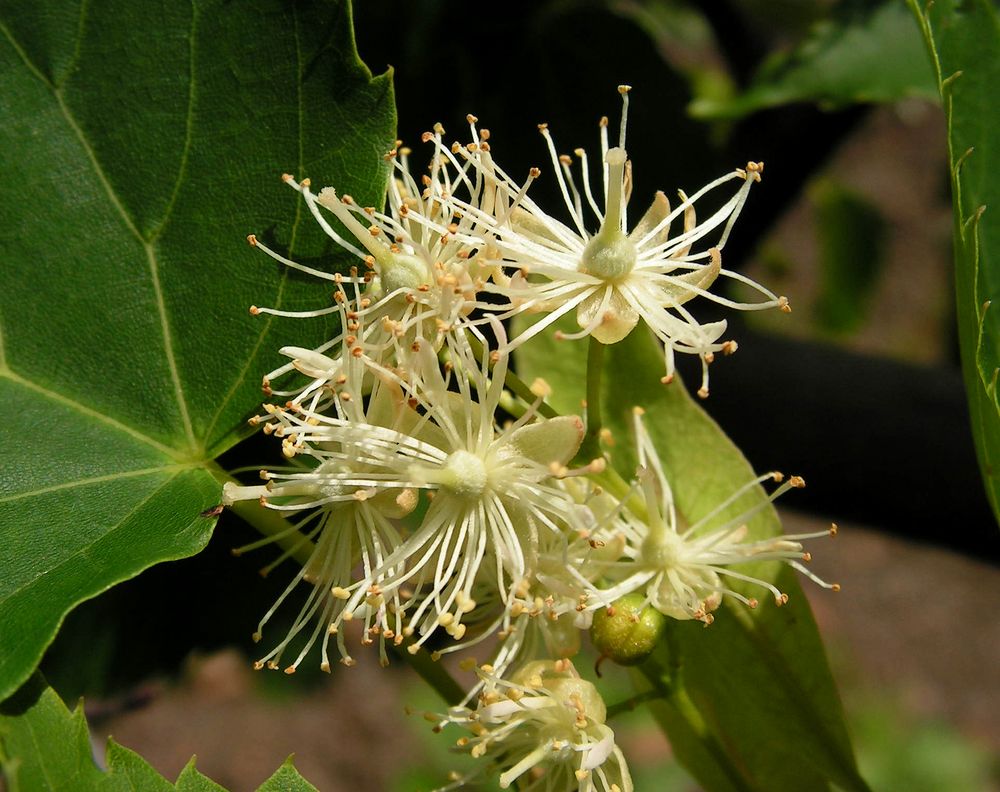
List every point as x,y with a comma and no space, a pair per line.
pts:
147,243
790,682
84,482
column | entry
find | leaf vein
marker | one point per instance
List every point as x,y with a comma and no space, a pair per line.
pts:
98,170
85,482
85,549
43,766
161,307
291,243
24,57
3,350
168,346
58,83
90,412
130,223
793,687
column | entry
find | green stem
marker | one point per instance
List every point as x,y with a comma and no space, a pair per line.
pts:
669,685
629,704
595,371
435,675
614,484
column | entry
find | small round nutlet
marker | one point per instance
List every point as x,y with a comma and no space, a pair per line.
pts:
625,634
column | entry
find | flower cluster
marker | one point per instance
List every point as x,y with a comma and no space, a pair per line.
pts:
545,719
439,502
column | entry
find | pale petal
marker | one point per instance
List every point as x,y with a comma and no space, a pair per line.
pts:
387,407
658,210
690,222
308,361
599,751
524,222
617,322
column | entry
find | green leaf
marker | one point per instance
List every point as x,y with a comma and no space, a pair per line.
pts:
286,779
138,147
74,520
871,57
46,748
127,770
755,705
963,39
190,780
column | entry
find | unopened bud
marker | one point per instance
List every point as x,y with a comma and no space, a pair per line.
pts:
626,633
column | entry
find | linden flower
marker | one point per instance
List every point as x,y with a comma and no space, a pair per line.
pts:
617,276
348,514
685,572
494,489
326,367
547,726
418,259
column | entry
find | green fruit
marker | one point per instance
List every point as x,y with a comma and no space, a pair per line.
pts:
625,632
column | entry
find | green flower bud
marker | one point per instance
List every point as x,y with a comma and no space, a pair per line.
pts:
625,633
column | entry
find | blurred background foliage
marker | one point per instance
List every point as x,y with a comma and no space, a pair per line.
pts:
859,390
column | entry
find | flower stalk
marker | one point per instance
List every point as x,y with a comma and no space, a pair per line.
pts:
591,447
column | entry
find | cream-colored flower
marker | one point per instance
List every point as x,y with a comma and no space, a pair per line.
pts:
620,274
495,489
342,505
685,571
416,273
547,722
547,611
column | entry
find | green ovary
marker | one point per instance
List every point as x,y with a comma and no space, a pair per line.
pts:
465,475
610,256
402,271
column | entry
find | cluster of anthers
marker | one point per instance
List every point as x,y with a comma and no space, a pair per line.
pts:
420,519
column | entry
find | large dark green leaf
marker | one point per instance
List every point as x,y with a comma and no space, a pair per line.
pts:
139,144
964,39
46,748
755,704
874,56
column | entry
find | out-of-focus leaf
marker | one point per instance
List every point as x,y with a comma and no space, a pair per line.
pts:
685,41
46,748
899,751
755,688
139,144
872,57
851,244
963,37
